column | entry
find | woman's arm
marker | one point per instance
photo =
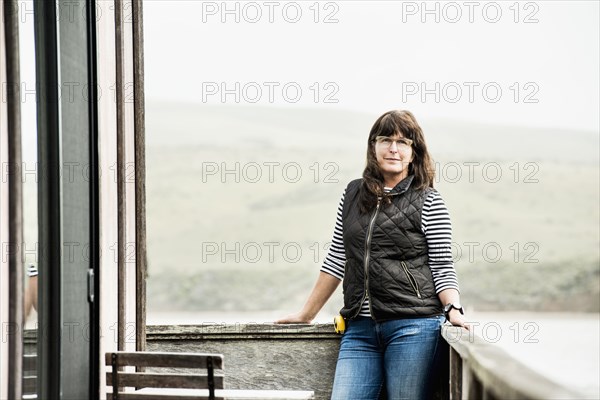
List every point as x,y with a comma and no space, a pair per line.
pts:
437,227
324,288
31,295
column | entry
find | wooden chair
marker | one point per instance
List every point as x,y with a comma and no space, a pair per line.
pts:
205,383
120,379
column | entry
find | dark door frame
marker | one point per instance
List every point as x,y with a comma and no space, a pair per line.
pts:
68,339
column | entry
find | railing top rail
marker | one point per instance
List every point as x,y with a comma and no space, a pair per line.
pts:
241,331
500,373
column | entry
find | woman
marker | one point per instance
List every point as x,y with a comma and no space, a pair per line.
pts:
391,248
31,292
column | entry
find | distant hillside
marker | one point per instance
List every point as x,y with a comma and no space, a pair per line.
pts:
233,193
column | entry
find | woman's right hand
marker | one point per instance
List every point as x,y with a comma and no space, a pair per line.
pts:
324,288
296,318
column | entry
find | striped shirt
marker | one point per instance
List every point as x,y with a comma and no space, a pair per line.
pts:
32,270
435,224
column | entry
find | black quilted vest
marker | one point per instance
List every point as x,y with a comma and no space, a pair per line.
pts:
386,256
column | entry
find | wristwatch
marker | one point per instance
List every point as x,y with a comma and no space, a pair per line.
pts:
448,307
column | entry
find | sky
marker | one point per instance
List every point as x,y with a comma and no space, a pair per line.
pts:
526,63
510,63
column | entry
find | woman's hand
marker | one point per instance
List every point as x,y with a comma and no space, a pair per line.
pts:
296,318
457,319
324,288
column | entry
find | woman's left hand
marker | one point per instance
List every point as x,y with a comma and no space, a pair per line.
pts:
458,319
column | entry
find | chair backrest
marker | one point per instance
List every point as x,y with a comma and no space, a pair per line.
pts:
119,377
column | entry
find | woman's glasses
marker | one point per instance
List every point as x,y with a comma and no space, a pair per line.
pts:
386,141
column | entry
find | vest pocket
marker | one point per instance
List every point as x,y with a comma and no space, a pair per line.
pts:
411,279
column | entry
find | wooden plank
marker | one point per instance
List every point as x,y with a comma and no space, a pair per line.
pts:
249,331
15,199
229,394
4,270
138,396
164,359
144,394
455,375
164,380
474,388
140,174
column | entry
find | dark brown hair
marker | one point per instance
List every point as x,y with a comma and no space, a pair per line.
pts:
389,124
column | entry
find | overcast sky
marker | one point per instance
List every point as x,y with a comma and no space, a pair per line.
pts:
541,70
461,60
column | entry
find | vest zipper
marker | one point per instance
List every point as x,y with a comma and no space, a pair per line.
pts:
367,251
411,279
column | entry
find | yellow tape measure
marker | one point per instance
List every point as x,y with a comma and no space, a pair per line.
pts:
339,324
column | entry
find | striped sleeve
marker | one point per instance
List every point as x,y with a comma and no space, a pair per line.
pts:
336,256
32,270
437,227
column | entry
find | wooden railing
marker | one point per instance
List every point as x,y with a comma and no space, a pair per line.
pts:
303,357
482,370
260,356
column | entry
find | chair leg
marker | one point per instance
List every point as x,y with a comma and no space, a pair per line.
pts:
211,378
115,379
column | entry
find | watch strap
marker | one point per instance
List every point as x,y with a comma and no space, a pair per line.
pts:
449,308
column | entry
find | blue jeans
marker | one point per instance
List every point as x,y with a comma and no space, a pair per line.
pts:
397,353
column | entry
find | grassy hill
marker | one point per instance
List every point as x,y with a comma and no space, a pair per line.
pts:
241,204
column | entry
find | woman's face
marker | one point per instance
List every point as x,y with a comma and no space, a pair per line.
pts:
394,154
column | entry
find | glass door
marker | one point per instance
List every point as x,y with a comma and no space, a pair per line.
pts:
67,187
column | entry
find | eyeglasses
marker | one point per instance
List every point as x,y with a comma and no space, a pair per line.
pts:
386,141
